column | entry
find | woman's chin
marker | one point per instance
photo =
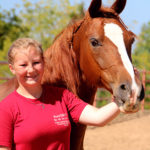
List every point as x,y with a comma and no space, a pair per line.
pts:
32,82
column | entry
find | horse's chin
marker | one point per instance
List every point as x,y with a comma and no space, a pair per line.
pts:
128,106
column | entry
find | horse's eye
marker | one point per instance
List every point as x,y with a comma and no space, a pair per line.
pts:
95,42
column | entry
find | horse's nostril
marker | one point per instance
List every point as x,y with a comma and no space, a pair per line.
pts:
123,87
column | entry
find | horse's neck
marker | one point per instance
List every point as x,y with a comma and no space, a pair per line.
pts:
87,92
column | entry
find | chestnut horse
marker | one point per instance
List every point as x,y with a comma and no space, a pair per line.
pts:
93,52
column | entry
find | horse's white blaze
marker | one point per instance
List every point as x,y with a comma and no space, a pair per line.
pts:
115,34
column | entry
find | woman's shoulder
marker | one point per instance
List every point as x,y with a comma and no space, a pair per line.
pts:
9,103
10,99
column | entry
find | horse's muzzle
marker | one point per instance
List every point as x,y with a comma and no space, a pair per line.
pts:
123,96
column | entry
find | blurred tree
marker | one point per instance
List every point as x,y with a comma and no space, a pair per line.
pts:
141,54
47,18
10,30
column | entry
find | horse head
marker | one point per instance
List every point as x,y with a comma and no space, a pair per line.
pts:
103,44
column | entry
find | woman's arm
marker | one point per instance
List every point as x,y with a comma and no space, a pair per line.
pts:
99,117
4,148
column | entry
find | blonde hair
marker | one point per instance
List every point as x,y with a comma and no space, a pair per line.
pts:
22,44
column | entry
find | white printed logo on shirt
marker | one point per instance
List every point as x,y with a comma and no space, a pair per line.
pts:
61,119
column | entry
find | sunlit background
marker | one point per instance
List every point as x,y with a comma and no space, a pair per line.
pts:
44,19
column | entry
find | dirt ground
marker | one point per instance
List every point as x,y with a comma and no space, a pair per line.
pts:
126,132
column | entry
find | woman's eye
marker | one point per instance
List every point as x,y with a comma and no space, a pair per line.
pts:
23,65
37,62
95,42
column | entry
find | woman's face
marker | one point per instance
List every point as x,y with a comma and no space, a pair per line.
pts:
28,66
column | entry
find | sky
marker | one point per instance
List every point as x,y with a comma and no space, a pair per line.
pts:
135,14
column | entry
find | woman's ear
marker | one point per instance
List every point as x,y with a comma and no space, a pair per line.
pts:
11,67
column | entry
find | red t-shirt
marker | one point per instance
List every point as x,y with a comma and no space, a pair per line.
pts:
39,124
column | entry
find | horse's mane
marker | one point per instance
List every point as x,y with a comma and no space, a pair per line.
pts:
66,72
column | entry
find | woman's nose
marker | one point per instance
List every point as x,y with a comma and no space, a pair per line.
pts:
30,68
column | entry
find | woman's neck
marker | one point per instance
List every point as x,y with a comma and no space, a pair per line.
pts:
30,92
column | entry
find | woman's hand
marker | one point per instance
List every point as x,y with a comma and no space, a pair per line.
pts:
4,148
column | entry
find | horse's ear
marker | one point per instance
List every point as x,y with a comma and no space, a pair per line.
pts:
94,8
119,5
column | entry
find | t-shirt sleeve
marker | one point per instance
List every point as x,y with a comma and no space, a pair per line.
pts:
6,126
74,104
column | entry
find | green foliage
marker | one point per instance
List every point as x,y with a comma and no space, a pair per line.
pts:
47,19
10,30
101,103
102,97
141,55
147,105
